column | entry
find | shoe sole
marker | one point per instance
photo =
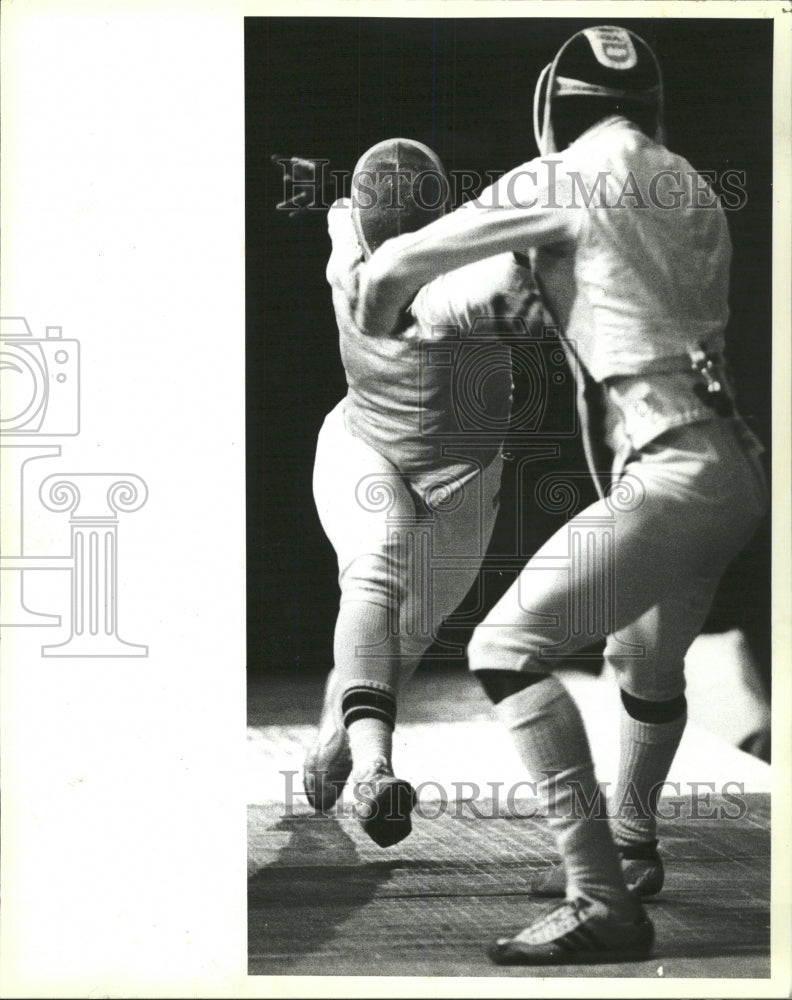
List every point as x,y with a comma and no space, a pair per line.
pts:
324,782
501,956
508,953
389,822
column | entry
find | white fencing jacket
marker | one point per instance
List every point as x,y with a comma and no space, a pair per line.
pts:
631,249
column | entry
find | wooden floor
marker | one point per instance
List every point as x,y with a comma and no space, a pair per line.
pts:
325,900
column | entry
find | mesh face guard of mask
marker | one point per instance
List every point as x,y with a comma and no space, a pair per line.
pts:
398,186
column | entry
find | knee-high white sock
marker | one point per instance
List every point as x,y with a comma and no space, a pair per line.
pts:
366,658
551,740
364,645
646,753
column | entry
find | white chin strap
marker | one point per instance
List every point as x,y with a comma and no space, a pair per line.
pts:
564,86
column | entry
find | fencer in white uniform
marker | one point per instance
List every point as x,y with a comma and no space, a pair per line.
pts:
630,247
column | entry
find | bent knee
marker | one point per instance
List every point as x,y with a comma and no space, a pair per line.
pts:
650,679
506,647
488,650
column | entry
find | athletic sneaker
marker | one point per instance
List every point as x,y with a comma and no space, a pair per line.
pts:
642,867
383,805
577,931
328,763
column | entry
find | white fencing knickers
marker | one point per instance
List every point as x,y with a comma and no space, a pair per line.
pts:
640,567
418,558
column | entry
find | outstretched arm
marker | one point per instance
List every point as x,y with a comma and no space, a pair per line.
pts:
508,217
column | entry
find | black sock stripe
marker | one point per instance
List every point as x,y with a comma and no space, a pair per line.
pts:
368,696
656,712
363,702
500,684
366,712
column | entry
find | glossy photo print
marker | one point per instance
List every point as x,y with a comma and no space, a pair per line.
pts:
395,517
509,408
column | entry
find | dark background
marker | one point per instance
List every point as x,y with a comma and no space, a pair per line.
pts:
329,88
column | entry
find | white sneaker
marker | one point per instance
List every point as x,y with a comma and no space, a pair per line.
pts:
577,931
